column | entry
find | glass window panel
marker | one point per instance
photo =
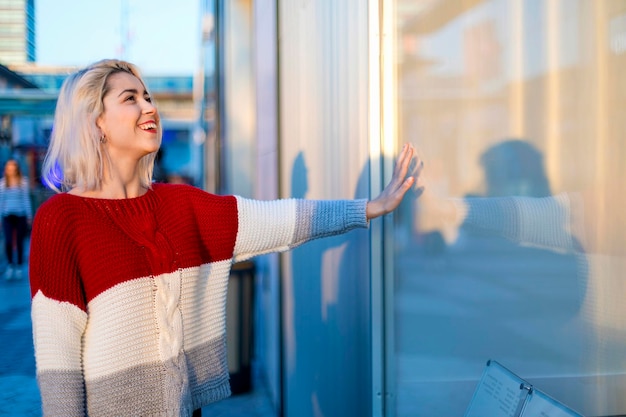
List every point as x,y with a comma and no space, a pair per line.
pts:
516,250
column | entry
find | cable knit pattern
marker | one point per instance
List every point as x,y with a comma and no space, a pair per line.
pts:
129,296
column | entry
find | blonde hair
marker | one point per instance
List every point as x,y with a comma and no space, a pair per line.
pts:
75,157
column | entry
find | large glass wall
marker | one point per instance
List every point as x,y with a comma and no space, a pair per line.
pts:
515,252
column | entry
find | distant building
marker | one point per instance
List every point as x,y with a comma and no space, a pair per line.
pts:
22,106
17,31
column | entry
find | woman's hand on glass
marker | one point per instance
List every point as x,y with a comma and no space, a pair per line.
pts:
405,175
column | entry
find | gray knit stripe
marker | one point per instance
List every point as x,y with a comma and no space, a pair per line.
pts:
320,218
208,369
135,392
62,393
497,215
140,391
541,221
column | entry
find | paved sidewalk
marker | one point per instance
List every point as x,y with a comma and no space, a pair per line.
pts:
19,395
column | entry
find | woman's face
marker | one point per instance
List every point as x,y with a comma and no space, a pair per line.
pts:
130,120
10,168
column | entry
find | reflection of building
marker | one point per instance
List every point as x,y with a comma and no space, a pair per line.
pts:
549,72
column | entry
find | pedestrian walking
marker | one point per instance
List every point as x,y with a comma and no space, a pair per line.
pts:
16,210
129,277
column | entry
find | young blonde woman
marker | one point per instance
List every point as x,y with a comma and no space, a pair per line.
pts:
129,278
16,211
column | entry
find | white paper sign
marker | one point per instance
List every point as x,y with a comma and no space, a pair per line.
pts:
500,393
539,404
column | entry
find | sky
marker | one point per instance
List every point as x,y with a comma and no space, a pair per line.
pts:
163,36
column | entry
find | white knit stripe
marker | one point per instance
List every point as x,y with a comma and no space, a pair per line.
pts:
274,221
122,329
545,222
143,321
203,302
54,320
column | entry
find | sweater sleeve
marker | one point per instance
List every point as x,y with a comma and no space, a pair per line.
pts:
58,312
544,222
280,225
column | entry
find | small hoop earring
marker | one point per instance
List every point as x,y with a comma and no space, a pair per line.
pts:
103,139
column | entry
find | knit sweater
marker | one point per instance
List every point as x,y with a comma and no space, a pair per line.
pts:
129,296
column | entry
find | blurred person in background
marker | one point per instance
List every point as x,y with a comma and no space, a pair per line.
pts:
129,276
16,210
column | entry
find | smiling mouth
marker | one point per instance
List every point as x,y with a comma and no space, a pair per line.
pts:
149,127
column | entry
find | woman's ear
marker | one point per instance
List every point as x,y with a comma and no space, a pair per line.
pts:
99,124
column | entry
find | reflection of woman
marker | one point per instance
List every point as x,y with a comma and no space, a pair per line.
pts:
518,204
129,278
16,215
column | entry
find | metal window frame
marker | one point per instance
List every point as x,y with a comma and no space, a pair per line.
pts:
383,129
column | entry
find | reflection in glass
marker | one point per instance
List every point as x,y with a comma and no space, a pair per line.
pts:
516,249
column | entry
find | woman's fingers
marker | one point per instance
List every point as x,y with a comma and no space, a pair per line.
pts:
406,172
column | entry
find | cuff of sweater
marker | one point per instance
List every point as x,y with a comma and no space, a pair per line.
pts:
356,214
458,211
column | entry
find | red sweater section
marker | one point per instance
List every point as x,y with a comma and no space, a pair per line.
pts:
80,247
